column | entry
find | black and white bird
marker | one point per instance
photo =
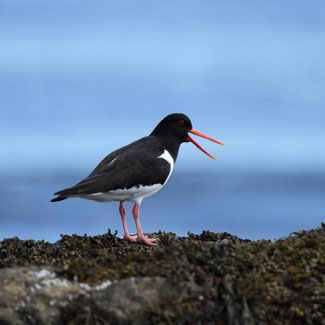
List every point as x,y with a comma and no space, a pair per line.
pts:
137,170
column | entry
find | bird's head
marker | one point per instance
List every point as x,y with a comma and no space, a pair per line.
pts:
179,126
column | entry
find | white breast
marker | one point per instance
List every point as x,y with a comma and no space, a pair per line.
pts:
167,156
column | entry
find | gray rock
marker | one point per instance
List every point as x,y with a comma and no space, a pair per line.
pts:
127,300
32,295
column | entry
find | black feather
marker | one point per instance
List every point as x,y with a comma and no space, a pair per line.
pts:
59,198
137,163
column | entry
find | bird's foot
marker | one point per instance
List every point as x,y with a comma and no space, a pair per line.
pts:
147,241
130,238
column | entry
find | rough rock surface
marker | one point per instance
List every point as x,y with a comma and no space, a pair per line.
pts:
36,295
200,279
32,295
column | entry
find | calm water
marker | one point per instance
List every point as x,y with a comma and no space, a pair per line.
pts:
248,205
79,79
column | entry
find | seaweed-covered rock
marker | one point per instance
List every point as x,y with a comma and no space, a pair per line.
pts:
200,279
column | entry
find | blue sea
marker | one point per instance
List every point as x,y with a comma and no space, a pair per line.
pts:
248,205
81,78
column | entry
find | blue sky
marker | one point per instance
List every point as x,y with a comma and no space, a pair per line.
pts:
82,78
79,79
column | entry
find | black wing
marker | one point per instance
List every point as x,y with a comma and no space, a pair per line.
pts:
133,165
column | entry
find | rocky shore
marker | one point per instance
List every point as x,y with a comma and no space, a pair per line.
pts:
212,278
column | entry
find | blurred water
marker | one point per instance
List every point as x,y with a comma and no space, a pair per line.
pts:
80,78
248,205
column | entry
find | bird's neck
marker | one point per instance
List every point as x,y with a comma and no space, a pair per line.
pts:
171,144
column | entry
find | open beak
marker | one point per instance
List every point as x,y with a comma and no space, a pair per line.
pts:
189,139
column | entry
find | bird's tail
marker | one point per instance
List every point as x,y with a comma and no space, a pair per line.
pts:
59,198
72,191
62,195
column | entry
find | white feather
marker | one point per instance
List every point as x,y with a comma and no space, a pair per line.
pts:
167,156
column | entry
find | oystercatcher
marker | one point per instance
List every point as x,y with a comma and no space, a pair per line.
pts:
137,170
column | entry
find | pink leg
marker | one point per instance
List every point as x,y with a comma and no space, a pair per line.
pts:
141,238
127,236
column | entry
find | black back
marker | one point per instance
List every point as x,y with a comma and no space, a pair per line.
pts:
136,164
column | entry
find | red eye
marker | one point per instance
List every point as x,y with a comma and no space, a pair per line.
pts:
181,122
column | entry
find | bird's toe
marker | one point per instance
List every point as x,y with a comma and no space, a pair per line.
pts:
131,238
148,241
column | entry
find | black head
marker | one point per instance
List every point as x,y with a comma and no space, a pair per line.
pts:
174,129
175,125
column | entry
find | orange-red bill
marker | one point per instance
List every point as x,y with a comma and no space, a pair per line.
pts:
203,136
